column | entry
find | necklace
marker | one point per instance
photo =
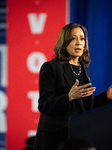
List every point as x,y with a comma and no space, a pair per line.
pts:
77,74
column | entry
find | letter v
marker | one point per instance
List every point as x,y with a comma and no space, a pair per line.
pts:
37,22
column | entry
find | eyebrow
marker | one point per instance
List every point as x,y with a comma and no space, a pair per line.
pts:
76,35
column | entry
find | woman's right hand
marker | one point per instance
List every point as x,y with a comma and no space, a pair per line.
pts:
77,92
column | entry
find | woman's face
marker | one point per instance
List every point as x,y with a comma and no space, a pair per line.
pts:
76,46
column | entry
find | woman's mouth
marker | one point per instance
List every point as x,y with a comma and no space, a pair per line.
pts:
78,50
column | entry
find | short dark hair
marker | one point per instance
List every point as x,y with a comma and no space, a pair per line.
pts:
75,144
64,38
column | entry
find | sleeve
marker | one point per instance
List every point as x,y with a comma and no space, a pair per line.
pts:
49,101
100,100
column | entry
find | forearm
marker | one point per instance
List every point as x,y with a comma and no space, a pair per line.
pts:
52,105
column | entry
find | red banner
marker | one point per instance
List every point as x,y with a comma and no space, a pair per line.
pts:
33,27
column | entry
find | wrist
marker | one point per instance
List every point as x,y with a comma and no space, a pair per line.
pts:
69,97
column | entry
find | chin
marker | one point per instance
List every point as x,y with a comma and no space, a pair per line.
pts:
78,55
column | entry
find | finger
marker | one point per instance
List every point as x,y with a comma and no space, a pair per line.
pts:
87,94
86,85
91,89
76,83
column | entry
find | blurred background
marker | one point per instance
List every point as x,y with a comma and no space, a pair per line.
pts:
28,33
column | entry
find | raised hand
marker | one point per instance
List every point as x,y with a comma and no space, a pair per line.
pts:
77,92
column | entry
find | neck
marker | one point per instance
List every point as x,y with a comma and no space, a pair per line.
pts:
74,62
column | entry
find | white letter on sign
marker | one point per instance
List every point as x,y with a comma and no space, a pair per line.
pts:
3,106
37,22
3,63
34,61
34,95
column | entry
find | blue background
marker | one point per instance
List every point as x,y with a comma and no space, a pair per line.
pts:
96,16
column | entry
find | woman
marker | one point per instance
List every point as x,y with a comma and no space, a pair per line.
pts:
65,88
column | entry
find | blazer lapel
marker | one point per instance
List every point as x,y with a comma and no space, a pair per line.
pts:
68,74
88,79
70,78
87,74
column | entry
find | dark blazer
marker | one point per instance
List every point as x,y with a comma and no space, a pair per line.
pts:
55,82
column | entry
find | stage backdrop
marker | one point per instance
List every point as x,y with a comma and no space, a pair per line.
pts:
33,27
96,16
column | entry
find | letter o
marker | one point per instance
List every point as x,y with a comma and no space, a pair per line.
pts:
34,61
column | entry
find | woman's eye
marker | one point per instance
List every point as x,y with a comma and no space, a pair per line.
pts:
73,38
82,38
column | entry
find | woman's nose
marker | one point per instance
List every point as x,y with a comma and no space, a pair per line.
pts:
78,41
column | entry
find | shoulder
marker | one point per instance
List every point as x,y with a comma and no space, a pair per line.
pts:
50,67
85,67
86,70
54,63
